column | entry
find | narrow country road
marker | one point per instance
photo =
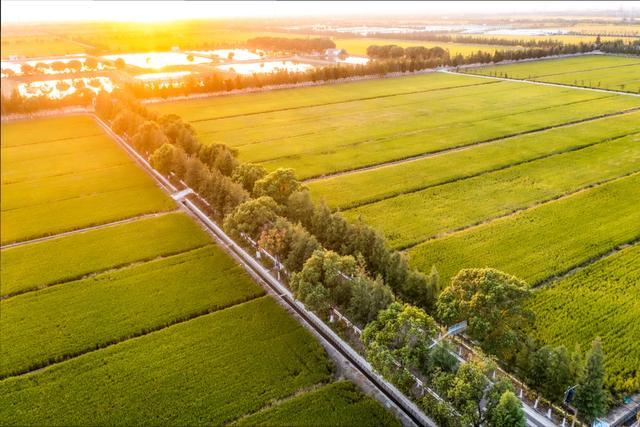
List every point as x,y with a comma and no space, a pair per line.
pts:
506,79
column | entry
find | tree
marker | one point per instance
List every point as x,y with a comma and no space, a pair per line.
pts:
466,392
328,270
551,370
162,159
492,304
278,185
91,63
302,245
368,297
591,399
149,137
247,174
406,331
251,217
508,412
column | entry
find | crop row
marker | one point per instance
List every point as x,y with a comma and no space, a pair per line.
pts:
69,319
46,130
369,186
209,370
68,183
336,404
422,116
599,301
605,72
290,99
70,257
438,132
411,218
63,157
544,241
72,214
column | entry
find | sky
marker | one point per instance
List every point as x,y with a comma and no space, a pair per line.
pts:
141,11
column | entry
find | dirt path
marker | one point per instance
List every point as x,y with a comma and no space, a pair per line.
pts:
522,209
82,230
531,82
465,147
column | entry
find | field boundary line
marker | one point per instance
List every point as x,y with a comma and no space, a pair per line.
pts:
579,71
278,402
513,212
29,144
415,132
464,146
85,229
347,207
113,268
65,174
35,367
534,82
80,196
550,281
368,98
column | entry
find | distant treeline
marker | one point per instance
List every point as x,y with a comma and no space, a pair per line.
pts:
386,59
468,39
284,44
414,52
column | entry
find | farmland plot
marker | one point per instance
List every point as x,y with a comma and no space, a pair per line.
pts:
545,241
410,218
66,182
220,107
28,267
337,404
597,71
338,136
362,187
600,300
95,319
209,370
182,286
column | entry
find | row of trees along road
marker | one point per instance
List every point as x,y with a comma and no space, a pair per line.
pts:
348,265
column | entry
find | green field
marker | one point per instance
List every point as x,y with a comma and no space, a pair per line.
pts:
598,301
411,218
209,370
603,72
54,182
337,404
182,286
545,241
338,136
362,187
140,322
28,267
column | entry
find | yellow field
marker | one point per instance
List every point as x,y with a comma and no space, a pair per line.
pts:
623,29
41,45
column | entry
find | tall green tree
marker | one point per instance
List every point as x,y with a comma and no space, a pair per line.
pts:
400,335
278,185
591,398
507,413
251,217
492,303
